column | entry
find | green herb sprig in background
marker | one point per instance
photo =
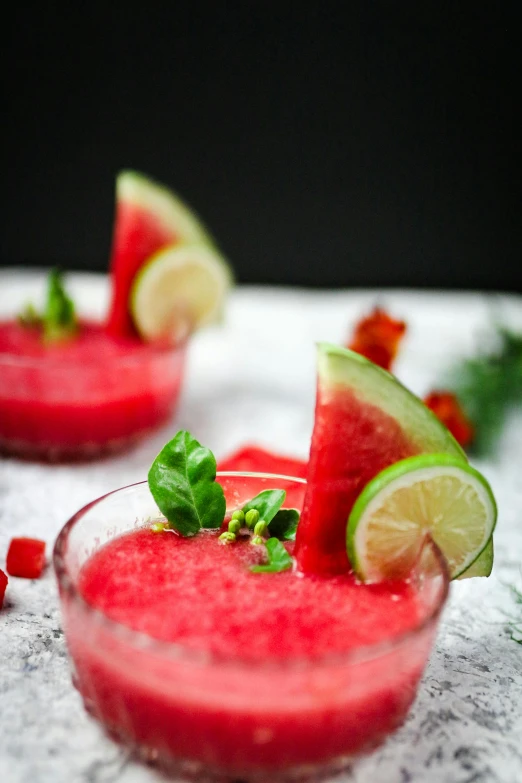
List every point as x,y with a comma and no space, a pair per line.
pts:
58,320
515,621
59,317
488,387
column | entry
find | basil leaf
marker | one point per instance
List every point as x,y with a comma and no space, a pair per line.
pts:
59,317
182,482
267,503
278,558
284,524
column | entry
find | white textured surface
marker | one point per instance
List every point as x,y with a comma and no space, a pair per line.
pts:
253,380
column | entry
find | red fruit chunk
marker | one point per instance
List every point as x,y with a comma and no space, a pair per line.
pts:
377,337
26,557
3,585
257,459
446,406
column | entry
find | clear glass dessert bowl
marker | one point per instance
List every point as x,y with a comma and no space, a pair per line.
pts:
91,395
200,712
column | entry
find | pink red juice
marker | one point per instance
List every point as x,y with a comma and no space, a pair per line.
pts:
82,396
238,671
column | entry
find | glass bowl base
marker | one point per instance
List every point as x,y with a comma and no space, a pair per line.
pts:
79,452
193,771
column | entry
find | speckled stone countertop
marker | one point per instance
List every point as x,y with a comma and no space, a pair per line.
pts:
253,379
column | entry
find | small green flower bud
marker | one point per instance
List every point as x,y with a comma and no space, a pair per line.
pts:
227,537
158,527
252,518
256,540
234,526
239,515
261,528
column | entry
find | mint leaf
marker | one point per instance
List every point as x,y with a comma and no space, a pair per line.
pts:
489,385
267,503
284,524
515,620
58,320
59,317
182,482
278,558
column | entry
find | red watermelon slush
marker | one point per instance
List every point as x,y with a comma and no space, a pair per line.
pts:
80,397
189,657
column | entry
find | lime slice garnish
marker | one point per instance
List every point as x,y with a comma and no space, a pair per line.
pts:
435,494
180,284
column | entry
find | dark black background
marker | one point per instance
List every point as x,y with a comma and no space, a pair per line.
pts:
375,146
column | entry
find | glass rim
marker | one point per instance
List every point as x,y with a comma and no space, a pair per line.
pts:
140,640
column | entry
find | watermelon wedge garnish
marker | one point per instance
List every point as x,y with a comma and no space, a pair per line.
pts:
365,420
148,217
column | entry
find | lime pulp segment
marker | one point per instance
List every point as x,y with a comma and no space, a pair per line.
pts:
180,283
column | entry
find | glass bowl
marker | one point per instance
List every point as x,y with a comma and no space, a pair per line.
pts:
69,404
205,716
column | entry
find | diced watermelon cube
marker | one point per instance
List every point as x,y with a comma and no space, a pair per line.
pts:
26,557
3,585
446,406
377,337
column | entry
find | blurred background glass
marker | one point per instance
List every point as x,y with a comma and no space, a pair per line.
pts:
368,147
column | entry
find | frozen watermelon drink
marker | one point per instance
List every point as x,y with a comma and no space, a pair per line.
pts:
72,388
81,397
188,656
201,636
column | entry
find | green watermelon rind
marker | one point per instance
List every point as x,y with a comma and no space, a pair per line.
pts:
169,209
162,202
483,565
341,368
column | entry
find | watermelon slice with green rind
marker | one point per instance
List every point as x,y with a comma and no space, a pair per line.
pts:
365,420
148,217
